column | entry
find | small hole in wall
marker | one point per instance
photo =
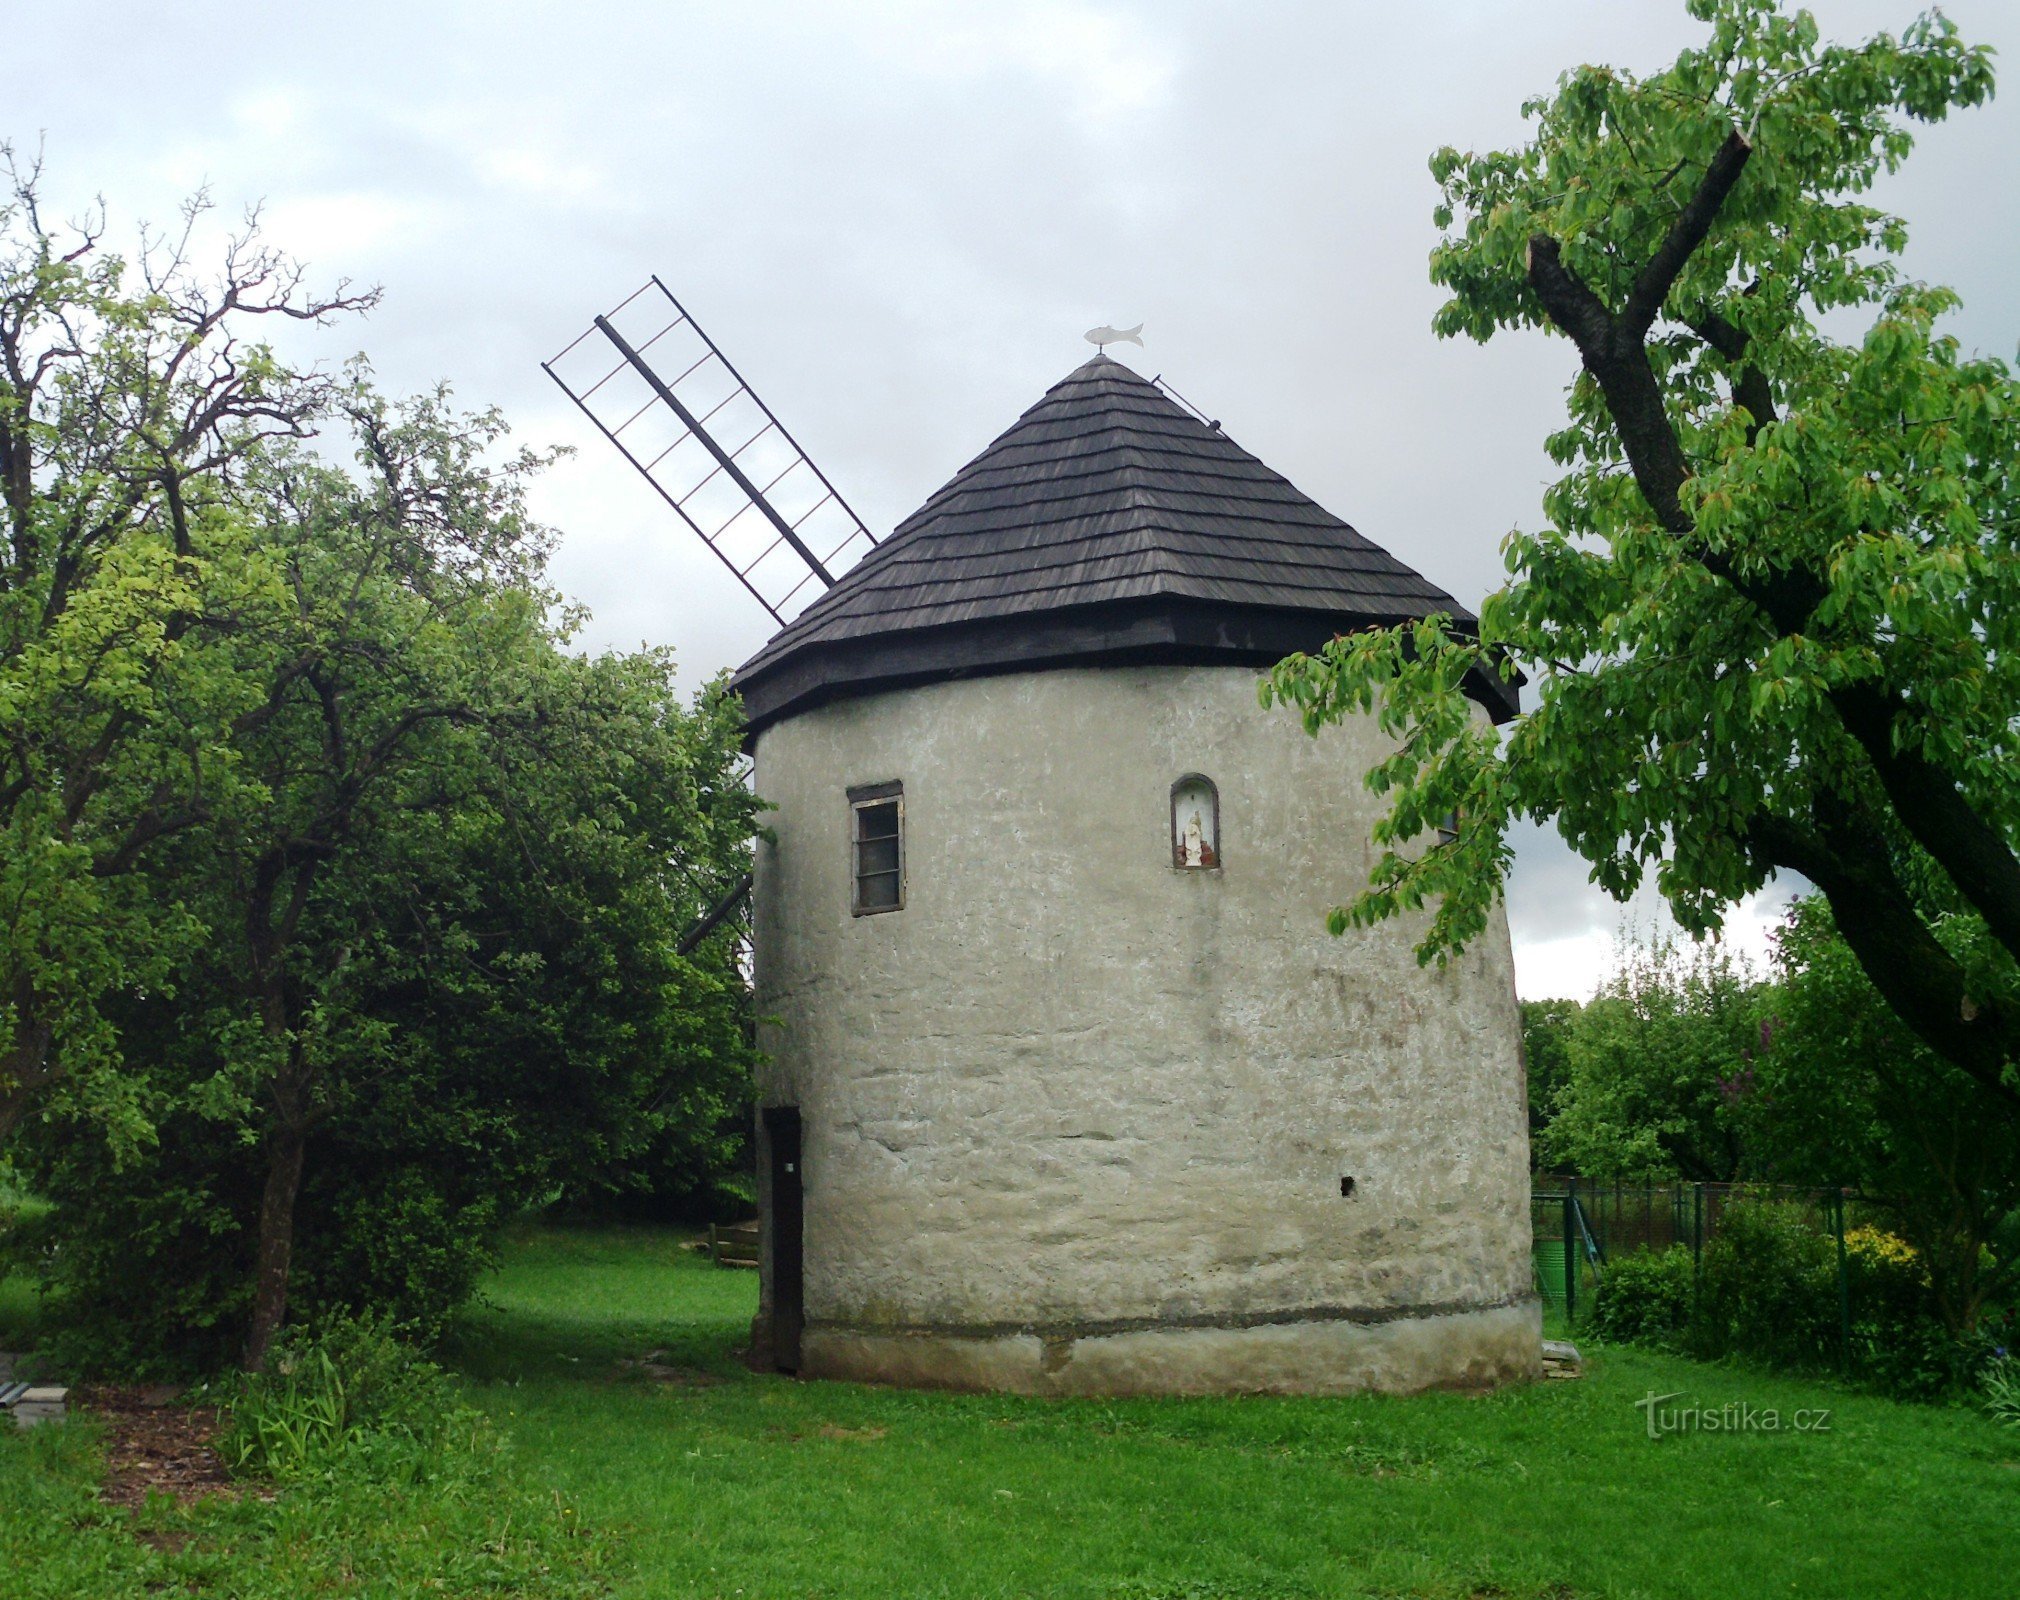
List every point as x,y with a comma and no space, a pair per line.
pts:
1347,1188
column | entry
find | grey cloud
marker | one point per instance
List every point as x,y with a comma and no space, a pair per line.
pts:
899,216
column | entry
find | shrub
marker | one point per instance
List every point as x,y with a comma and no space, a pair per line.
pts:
1645,1297
350,1393
1899,1343
1767,1291
457,1521
148,1267
2000,1382
1768,1288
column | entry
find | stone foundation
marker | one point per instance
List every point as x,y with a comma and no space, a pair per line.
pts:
1320,1353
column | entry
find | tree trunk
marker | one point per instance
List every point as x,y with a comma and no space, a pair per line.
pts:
14,1104
287,1137
286,1146
24,1073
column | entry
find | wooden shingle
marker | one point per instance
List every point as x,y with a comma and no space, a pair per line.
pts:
1107,524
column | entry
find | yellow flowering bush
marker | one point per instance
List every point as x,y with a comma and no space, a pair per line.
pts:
1876,1251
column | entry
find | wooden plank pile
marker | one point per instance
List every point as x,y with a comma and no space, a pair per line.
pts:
733,1244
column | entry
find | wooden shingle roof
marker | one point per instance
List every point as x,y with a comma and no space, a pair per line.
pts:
1107,524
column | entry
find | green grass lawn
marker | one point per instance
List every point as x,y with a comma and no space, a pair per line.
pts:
17,1294
728,1483
692,1477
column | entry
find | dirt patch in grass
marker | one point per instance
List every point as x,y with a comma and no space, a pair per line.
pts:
657,1367
828,1430
154,1445
831,1430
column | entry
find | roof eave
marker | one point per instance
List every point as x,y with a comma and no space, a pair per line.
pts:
1163,630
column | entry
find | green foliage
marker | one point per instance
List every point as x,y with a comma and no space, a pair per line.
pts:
499,1014
1684,1067
1900,1344
1848,1096
123,1262
1771,623
1768,1288
407,874
2001,1384
1658,1068
345,1396
288,1418
1768,1293
130,399
1546,1028
472,1525
1645,1298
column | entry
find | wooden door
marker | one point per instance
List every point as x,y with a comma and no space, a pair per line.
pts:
786,1215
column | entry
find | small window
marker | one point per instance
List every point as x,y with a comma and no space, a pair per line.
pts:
1195,823
877,846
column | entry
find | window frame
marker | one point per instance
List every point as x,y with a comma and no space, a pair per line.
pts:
863,797
1192,780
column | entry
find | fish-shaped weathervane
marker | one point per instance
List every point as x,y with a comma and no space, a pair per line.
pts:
1105,335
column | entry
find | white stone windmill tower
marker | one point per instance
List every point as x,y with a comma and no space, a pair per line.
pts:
1067,1088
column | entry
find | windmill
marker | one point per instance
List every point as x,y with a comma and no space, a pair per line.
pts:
654,384
1036,853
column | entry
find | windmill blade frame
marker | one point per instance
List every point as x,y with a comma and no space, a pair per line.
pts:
783,554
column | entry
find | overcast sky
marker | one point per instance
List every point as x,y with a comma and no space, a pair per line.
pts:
898,218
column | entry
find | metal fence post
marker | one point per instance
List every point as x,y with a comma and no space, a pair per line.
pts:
1570,1249
1844,1289
1696,1259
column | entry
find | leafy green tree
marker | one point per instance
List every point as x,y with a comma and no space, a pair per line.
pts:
130,397
415,625
1848,1097
1771,622
329,869
1546,1033
1659,1067
444,977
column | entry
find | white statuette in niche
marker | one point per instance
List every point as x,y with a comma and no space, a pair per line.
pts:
1195,823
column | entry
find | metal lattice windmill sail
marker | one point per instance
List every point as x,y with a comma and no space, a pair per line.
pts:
657,387
661,390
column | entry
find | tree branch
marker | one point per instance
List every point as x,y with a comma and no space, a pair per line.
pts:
1936,813
1572,306
1692,225
1750,387
1917,977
